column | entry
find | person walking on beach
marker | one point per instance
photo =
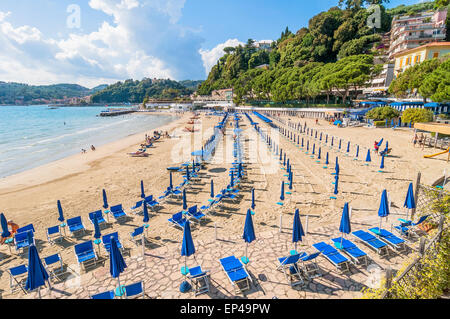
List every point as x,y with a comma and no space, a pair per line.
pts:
83,151
92,147
415,139
376,147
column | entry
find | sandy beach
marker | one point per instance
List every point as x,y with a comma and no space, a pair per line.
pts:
31,196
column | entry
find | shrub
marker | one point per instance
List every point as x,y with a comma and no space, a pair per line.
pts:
379,123
417,115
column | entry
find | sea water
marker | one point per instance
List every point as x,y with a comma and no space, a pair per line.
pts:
31,136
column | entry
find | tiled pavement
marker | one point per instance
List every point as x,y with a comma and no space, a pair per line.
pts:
162,277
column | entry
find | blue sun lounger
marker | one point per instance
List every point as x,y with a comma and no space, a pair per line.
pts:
370,240
101,221
178,219
135,290
310,267
21,240
151,203
407,227
333,256
54,234
17,277
194,213
104,295
26,228
85,254
357,256
389,238
290,268
75,225
106,241
54,265
199,280
236,273
137,208
118,212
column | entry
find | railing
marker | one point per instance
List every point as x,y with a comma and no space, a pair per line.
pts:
416,264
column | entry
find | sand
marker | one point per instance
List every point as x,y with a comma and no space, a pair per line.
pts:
31,196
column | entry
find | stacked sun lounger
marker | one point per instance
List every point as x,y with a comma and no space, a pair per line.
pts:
236,273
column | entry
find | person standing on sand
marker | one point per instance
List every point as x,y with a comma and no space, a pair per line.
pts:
415,139
92,147
375,145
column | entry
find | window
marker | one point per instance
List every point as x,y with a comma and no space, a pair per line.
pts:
401,63
417,59
435,54
408,61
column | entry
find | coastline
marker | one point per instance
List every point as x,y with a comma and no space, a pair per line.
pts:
77,163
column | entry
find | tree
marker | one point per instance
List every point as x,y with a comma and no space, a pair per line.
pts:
417,115
382,113
436,85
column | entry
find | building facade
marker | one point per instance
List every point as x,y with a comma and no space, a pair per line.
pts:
409,32
408,58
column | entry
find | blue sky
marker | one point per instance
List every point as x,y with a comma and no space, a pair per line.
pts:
120,39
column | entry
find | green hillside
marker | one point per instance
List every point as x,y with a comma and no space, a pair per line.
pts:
135,91
335,52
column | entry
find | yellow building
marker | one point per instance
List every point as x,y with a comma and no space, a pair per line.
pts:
406,58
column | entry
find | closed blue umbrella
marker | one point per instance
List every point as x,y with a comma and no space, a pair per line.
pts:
212,189
386,123
307,145
409,201
340,144
387,146
345,227
290,180
105,200
281,154
348,147
60,211
315,136
314,149
380,142
297,229
287,164
187,246
170,180
6,233
97,233
282,191
383,210
184,200
320,137
336,183
326,160
357,151
249,231
117,264
302,142
142,189
332,140
145,212
368,156
409,124
253,199
187,173
37,275
232,179
392,123
382,162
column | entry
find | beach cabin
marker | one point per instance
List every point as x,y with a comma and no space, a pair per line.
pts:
401,106
438,108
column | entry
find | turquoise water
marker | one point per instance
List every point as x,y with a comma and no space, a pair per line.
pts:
31,136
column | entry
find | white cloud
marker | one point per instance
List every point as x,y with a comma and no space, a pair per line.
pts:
145,40
210,57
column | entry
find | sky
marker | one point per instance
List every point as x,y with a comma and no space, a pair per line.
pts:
92,42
